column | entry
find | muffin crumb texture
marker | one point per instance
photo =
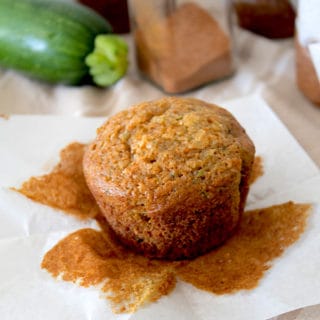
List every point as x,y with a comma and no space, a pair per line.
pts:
171,176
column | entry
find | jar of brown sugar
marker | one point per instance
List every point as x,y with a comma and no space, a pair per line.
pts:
269,18
115,11
181,45
307,49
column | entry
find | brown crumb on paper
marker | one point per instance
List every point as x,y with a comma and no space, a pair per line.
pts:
94,258
129,280
65,187
263,235
4,116
257,169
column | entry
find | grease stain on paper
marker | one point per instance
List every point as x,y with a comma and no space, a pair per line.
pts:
92,257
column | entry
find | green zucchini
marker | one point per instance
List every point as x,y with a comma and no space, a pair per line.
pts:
60,42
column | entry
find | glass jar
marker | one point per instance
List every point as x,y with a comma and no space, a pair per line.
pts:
115,11
181,45
269,18
307,37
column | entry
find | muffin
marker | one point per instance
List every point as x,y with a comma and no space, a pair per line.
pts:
171,176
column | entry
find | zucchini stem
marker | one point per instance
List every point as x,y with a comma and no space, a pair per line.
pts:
108,61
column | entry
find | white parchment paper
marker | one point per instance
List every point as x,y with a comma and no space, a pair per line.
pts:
29,145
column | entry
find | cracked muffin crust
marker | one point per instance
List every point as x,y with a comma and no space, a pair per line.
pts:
171,176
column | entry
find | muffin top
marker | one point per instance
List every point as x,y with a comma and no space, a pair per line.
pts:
155,150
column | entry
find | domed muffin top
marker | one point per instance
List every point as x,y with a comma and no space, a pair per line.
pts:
158,149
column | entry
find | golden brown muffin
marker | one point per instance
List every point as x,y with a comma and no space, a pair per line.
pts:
171,176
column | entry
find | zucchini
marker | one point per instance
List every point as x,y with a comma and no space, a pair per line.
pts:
60,42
